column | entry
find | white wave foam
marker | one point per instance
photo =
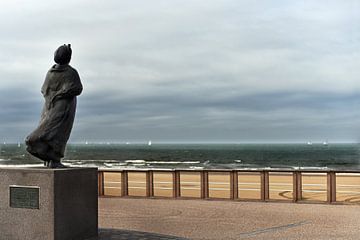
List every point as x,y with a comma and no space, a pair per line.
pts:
21,165
89,160
314,168
173,162
135,161
196,167
132,161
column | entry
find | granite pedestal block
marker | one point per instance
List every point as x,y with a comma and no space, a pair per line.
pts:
48,204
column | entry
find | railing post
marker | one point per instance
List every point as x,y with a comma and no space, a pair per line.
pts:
149,183
297,186
176,184
234,185
264,185
124,183
204,186
100,183
331,187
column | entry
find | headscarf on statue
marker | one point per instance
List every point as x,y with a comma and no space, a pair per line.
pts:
62,81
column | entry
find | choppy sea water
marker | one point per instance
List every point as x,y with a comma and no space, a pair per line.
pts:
196,156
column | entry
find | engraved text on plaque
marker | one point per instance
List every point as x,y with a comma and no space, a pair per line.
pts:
24,197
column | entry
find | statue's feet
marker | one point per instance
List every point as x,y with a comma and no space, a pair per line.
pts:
46,163
56,164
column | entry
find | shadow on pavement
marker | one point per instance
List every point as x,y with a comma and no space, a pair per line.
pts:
119,234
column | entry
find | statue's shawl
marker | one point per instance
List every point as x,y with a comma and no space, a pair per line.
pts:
62,85
61,81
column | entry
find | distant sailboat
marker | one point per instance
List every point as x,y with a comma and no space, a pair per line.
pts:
19,144
325,143
309,143
149,143
127,143
86,142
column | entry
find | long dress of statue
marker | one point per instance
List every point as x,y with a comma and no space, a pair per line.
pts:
62,85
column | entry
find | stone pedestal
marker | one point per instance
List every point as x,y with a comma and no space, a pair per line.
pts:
48,204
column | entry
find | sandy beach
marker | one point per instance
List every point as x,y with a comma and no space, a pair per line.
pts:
314,185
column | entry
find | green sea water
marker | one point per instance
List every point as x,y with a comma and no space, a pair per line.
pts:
197,156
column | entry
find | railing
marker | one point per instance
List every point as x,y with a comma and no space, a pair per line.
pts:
261,185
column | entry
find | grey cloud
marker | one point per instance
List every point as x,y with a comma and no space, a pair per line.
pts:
289,115
188,69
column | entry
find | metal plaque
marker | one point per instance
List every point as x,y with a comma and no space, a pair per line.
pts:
24,197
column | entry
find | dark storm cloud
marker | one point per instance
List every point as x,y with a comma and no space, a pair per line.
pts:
188,70
286,115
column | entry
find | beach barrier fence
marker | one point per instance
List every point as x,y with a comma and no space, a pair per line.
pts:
301,186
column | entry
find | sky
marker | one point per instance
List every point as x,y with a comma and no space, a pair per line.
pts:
188,70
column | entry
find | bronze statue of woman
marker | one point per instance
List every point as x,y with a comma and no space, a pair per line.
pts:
62,84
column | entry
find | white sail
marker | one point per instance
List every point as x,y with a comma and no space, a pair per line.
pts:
149,143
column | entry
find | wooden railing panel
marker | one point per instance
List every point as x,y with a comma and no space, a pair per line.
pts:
163,184
137,184
314,187
112,184
190,184
219,185
249,185
281,186
348,187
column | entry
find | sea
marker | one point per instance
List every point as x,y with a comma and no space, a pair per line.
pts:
196,156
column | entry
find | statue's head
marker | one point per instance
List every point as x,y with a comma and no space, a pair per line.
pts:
62,55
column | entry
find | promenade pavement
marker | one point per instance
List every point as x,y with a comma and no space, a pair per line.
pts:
133,218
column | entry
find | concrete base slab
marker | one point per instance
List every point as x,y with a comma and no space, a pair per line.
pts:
64,206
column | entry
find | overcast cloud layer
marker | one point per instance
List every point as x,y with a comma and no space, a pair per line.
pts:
237,71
